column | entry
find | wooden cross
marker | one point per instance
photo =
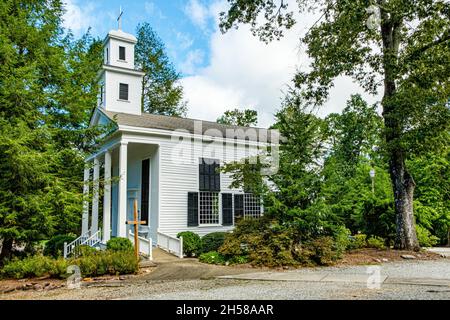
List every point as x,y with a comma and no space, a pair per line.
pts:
136,224
119,19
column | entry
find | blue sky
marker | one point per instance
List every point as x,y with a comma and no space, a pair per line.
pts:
220,71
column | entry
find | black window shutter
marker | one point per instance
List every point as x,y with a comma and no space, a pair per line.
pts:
123,91
238,205
227,209
192,209
209,175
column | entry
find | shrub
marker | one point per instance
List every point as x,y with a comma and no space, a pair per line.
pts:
212,257
35,266
376,242
426,239
55,246
192,244
358,241
119,244
342,240
107,262
239,260
213,241
319,251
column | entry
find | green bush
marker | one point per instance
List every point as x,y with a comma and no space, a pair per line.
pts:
107,262
426,239
119,244
192,243
213,241
320,251
358,241
376,242
35,266
55,246
239,260
212,257
342,240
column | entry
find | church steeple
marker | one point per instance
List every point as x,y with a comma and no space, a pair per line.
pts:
120,82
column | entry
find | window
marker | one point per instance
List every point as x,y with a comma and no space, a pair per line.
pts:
102,94
209,175
107,56
247,206
122,53
209,208
123,91
252,206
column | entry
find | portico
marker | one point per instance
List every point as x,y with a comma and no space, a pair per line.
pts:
125,170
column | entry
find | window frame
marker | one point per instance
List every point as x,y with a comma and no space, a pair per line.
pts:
217,196
205,173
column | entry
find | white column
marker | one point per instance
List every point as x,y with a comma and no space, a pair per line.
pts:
107,199
122,216
85,217
95,197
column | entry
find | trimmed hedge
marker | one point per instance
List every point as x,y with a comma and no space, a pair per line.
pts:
213,241
192,243
120,244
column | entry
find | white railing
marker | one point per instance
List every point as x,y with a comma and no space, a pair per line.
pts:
85,239
170,244
145,245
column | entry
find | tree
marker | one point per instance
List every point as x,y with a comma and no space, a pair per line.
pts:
407,54
236,117
47,93
161,91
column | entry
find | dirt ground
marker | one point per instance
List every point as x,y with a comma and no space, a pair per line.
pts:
169,268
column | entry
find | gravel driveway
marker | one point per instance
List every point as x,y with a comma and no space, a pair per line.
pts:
404,280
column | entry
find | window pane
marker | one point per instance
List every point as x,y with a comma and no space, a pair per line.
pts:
209,208
252,206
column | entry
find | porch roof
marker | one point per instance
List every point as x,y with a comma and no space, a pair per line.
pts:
153,121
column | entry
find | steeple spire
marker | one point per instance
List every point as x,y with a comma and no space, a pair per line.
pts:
119,19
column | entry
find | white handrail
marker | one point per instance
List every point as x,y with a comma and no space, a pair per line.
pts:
84,239
147,242
170,244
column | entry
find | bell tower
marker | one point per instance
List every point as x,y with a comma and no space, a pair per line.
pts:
120,83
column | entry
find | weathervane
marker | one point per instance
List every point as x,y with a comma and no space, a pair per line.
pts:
119,19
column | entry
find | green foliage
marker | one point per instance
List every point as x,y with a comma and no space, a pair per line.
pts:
119,244
213,241
358,241
107,262
236,117
426,239
376,242
319,251
35,266
162,93
192,243
342,240
212,257
55,246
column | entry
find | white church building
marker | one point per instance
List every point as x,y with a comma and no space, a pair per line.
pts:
169,164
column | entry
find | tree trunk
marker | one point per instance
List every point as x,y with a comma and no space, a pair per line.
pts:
402,182
7,245
403,185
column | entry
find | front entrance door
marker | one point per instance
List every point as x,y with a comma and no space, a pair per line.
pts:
145,190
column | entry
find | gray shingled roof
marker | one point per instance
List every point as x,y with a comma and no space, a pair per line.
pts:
153,121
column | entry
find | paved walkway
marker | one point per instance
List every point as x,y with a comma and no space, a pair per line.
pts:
443,251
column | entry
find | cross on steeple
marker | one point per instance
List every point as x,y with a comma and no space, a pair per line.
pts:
119,18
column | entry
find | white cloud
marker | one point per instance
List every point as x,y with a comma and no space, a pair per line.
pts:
79,18
152,10
193,59
198,13
244,72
